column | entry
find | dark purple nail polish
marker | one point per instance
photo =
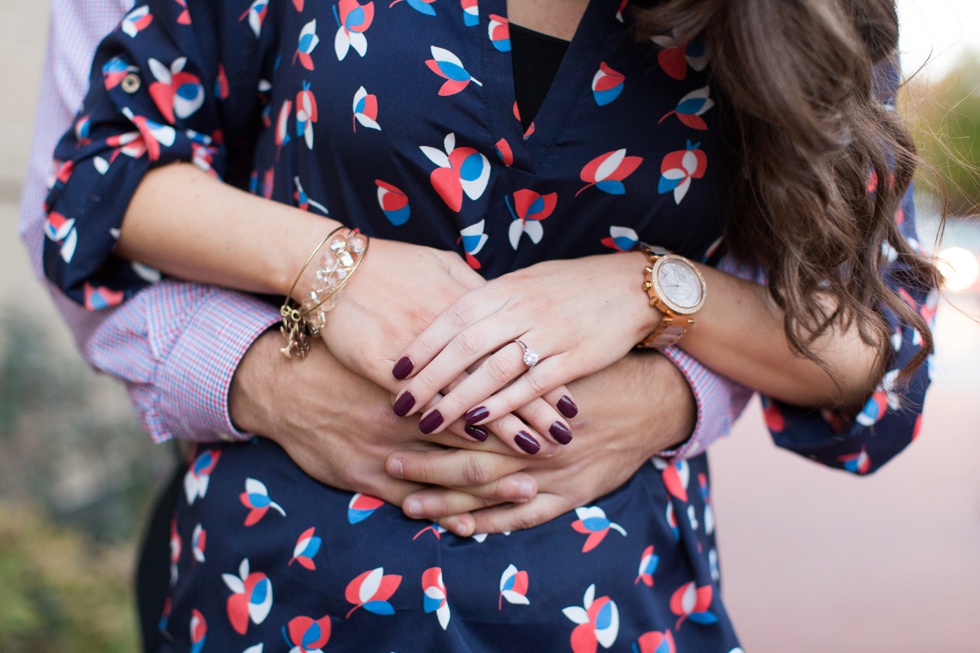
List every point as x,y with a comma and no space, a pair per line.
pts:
402,368
477,432
404,404
567,407
560,433
431,422
527,443
478,414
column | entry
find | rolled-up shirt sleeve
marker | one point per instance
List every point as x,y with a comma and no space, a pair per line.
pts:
174,339
163,89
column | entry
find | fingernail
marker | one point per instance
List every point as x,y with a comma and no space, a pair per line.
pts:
526,490
567,407
431,422
404,404
560,432
477,414
402,368
395,468
527,443
477,432
413,508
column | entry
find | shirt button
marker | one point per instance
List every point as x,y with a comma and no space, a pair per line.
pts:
131,83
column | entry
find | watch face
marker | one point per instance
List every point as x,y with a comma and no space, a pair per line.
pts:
680,284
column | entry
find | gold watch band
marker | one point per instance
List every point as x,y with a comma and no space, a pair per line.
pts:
672,326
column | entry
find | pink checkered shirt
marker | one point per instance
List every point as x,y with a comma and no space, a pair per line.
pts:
176,345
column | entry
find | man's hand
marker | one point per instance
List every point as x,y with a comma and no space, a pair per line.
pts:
338,427
632,410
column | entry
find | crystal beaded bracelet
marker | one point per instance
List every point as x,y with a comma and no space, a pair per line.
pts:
342,256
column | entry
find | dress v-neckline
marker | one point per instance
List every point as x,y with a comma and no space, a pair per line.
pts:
573,76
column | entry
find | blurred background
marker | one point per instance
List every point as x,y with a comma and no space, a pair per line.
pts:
813,560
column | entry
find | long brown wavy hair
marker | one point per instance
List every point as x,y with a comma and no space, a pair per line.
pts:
796,85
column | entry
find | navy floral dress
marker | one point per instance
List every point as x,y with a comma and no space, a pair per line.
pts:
400,119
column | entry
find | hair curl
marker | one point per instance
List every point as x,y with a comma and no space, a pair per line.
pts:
797,86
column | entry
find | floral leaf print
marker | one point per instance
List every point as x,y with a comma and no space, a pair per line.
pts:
221,87
199,540
371,591
184,18
152,135
62,230
461,170
621,239
421,6
99,297
434,595
198,476
592,521
251,597
598,622
433,528
394,203
304,202
256,499
136,21
607,84
114,72
473,239
675,56
676,476
471,13
679,168
307,546
298,4
857,463
365,110
884,397
199,631
607,172
692,602
308,40
648,564
691,107
256,15
176,547
498,29
513,587
655,642
671,518
282,126
306,114
175,92
528,208
361,507
448,66
709,511
353,19
306,635
504,152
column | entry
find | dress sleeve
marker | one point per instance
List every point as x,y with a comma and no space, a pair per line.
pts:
171,83
891,418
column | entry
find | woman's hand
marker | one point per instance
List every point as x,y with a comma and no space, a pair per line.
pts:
635,409
578,315
396,293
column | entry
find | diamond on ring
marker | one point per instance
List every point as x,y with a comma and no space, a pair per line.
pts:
531,357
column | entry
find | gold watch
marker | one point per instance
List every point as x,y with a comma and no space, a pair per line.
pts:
676,289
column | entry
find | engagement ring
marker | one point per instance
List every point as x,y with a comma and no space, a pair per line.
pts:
531,357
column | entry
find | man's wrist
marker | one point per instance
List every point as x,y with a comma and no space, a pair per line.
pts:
252,386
